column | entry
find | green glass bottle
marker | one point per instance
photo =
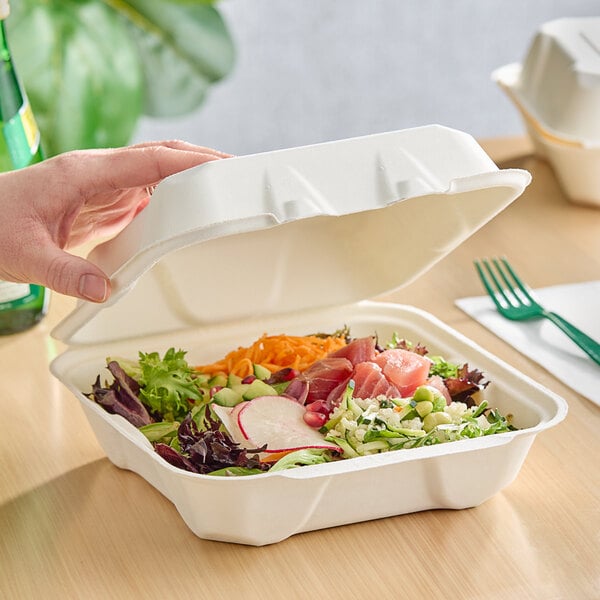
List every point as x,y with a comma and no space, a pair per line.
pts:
21,305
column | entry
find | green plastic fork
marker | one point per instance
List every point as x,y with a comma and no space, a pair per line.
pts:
514,300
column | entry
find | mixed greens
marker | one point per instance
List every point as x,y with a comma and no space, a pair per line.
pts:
267,421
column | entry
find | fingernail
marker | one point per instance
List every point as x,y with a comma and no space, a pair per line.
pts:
93,288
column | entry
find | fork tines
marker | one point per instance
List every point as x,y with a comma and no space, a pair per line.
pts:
502,283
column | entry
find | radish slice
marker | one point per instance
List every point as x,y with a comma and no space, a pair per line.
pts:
278,422
228,417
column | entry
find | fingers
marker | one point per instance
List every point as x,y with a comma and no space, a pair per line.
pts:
181,145
141,165
69,275
164,158
40,261
104,218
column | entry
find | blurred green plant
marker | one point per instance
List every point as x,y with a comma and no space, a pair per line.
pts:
92,68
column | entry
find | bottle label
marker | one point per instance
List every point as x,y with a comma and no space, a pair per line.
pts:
21,137
32,133
13,295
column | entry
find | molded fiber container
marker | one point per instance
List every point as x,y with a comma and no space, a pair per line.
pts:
577,168
292,242
559,80
557,92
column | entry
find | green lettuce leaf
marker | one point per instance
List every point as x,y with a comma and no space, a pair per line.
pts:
167,384
307,456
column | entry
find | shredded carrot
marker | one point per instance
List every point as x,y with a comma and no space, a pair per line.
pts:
275,352
274,456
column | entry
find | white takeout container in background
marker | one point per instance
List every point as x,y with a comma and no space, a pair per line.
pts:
292,241
577,169
559,80
557,92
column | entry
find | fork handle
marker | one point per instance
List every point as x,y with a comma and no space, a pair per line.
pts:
586,343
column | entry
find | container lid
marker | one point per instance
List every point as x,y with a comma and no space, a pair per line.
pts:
292,230
558,84
579,41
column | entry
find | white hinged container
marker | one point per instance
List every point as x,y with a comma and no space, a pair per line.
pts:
557,92
558,83
292,241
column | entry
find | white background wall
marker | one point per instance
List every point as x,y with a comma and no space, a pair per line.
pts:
315,70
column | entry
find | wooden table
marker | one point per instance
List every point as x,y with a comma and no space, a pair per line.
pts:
74,526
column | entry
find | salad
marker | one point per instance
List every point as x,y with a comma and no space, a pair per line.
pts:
288,401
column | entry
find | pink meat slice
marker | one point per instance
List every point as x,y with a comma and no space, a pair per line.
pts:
371,382
335,396
404,369
357,351
326,375
385,388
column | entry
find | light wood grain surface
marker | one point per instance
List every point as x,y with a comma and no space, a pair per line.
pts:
72,525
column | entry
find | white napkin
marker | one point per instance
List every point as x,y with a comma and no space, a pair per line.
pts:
542,341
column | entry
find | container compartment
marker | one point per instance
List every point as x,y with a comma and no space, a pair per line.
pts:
267,508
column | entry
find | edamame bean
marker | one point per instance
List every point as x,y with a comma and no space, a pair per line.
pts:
423,394
433,419
424,408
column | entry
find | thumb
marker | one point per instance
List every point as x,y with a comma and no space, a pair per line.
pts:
71,275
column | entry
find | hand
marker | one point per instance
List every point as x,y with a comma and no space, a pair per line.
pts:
76,197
